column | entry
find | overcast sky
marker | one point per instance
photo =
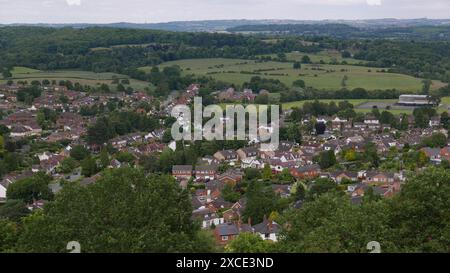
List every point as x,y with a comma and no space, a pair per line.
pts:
141,11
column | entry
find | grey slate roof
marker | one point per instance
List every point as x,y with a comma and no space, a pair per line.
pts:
267,227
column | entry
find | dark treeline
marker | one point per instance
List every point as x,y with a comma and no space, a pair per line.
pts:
118,50
357,93
124,50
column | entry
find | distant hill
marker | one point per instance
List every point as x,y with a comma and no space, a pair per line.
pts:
223,25
419,32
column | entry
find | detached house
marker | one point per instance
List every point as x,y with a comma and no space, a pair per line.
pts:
371,120
207,217
435,121
340,176
339,124
445,153
252,163
224,233
308,171
434,154
230,177
235,212
247,153
379,177
268,230
226,155
3,187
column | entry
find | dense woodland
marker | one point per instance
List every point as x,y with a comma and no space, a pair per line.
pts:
124,50
328,222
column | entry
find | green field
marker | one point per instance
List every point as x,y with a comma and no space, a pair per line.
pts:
82,77
238,71
355,102
446,101
19,70
445,104
323,56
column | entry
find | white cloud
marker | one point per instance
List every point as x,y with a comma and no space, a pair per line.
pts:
374,2
73,2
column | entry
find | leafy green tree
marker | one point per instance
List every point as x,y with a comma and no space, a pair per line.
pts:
104,158
404,123
298,191
149,163
100,132
420,213
63,99
89,166
267,172
422,159
445,120
125,157
2,143
387,117
306,59
415,220
31,188
346,54
262,99
426,84
68,165
8,235
28,94
294,133
124,211
286,177
297,65
229,194
261,201
252,173
319,187
6,74
350,155
166,160
371,154
14,210
299,83
120,88
438,140
327,159
332,224
79,152
248,243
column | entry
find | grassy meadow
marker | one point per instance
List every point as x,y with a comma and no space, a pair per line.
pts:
320,76
82,77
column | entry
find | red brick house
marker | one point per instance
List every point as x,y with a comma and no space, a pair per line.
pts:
379,177
207,172
308,171
231,177
182,171
445,153
224,233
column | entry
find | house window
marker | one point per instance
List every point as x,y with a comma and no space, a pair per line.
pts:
224,238
267,235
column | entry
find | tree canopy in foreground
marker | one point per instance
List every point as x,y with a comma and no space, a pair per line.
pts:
124,211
